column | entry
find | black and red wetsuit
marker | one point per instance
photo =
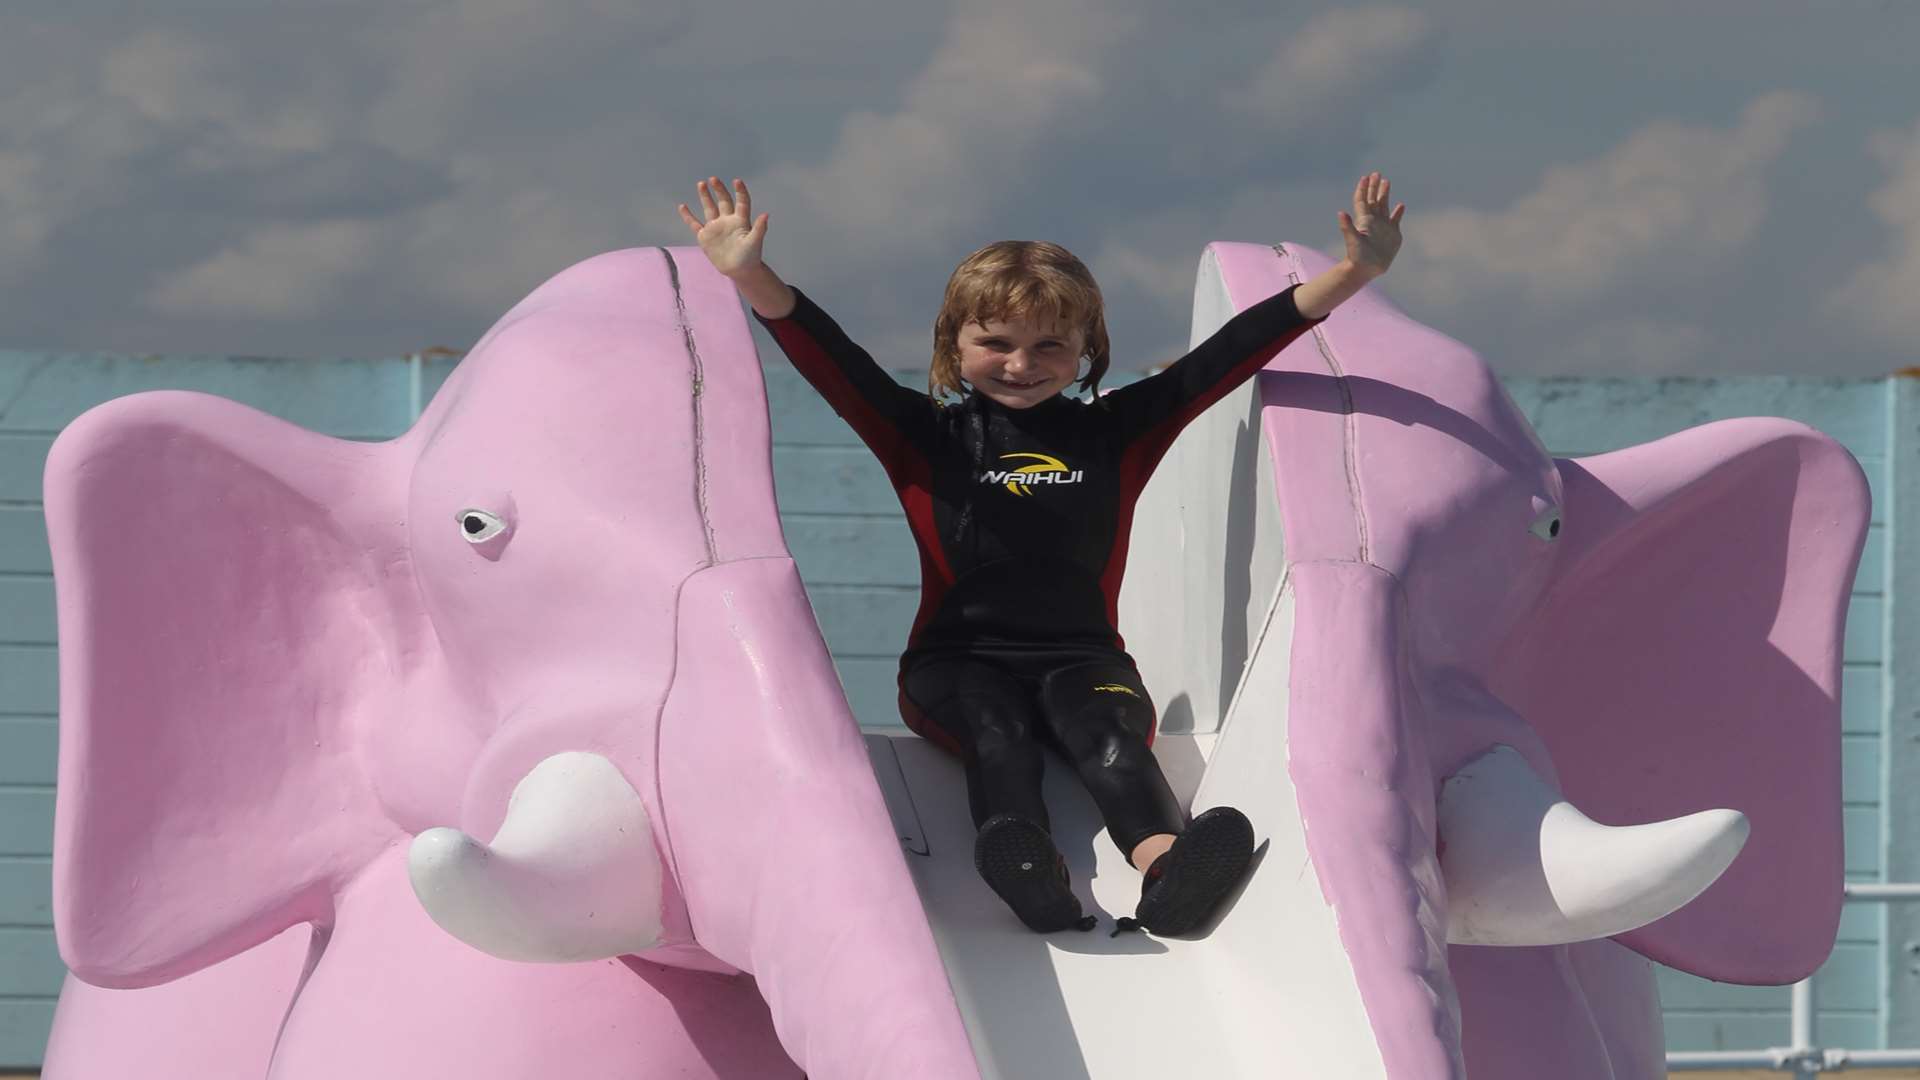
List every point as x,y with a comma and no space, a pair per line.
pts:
1022,517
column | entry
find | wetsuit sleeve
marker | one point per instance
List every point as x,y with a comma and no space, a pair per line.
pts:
1158,406
888,417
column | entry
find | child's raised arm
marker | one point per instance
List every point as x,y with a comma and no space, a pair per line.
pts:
1160,404
886,415
1372,236
732,240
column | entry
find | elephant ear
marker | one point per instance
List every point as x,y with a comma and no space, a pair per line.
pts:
223,595
1688,656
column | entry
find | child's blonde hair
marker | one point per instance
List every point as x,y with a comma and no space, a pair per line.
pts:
1018,279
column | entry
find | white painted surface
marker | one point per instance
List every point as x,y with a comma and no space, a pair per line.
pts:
1206,551
1526,867
572,874
1265,991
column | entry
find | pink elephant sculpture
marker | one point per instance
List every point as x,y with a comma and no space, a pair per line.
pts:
557,613
1486,637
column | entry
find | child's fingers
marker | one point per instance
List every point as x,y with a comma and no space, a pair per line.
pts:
687,216
1386,189
720,196
706,201
745,202
1398,213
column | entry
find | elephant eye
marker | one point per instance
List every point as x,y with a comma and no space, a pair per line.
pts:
479,526
1547,525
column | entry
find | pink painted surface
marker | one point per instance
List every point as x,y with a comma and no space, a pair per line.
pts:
215,1024
394,996
1527,1014
1367,806
1628,1019
281,657
819,912
1725,690
1675,648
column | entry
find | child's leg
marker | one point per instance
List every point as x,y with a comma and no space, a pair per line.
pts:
1099,715
990,716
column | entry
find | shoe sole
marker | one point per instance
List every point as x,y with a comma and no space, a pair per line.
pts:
1019,862
1211,857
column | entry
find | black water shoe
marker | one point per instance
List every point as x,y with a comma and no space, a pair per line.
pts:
1017,859
1184,885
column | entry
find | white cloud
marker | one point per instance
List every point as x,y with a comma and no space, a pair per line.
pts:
1160,254
166,138
454,70
1337,58
970,132
1626,346
278,272
360,177
1881,299
65,149
169,77
1165,277
1157,258
500,236
255,183
26,221
1672,202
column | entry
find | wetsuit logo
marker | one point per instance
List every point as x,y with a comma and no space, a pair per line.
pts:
1115,688
1046,469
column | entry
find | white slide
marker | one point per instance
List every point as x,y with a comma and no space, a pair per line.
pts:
1266,990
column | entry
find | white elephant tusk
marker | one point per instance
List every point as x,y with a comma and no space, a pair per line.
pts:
1524,867
571,875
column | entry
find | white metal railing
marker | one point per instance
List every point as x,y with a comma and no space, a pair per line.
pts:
1805,1057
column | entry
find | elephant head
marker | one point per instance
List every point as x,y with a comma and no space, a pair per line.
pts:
301,674
1492,651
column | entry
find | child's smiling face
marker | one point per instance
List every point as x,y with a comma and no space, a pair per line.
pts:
1020,363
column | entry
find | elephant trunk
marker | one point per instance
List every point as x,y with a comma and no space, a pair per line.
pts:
1358,760
1492,856
781,842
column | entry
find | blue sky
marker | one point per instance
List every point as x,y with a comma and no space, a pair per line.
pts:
1630,188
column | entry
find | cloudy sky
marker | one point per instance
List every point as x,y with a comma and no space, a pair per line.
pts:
1630,188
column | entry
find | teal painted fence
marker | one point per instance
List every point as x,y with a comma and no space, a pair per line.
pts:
851,543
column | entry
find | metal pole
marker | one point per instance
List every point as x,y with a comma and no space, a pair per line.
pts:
1803,1015
1805,1057
1881,892
1804,1053
1872,1059
1718,1060
415,362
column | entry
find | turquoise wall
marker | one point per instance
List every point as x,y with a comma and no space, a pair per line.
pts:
846,533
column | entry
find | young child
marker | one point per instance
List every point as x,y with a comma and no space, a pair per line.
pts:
1020,499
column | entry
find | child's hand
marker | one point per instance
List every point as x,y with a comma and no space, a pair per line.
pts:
1372,235
730,237
1373,238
